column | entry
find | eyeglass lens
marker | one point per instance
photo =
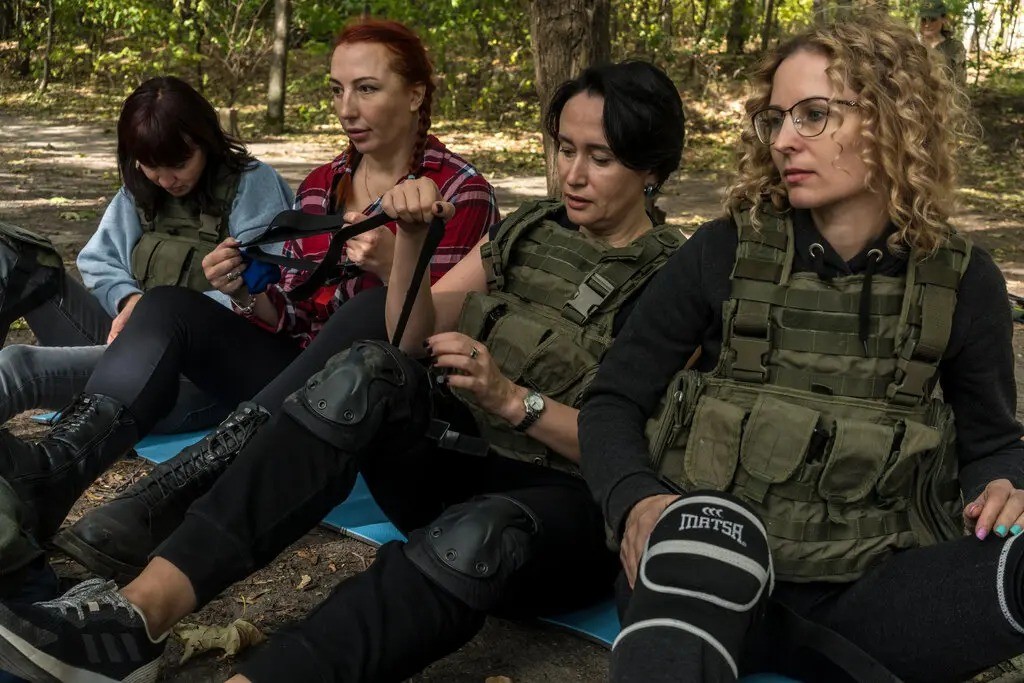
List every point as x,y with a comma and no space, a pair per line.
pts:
809,119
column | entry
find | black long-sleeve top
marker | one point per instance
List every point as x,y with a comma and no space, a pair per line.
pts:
681,310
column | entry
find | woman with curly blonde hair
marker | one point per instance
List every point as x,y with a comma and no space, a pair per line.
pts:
799,499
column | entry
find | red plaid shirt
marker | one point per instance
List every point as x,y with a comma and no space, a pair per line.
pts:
460,184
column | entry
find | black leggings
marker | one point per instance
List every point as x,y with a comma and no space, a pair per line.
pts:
175,331
391,620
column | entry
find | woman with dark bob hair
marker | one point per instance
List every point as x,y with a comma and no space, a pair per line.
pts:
187,186
487,491
801,499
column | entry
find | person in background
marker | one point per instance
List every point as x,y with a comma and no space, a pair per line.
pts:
937,33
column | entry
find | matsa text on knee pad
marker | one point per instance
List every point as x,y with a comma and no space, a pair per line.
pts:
710,518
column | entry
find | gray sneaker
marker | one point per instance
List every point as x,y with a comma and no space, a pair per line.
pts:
91,634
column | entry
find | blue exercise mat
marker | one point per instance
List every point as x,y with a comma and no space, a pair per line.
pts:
360,517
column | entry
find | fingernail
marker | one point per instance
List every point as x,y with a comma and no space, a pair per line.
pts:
1001,531
972,508
981,532
1016,529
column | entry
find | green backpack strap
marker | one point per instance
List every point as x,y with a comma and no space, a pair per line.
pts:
933,283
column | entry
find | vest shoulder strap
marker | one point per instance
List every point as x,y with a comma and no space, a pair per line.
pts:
764,255
495,252
215,220
620,272
933,283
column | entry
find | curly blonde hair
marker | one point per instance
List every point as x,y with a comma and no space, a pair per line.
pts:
914,120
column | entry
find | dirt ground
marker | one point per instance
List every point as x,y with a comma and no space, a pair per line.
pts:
56,178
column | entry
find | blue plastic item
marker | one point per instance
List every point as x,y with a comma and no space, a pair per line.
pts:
258,274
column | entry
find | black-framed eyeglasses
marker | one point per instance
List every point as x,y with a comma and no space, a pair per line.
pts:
809,116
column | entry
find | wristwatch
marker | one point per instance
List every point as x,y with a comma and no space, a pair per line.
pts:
533,402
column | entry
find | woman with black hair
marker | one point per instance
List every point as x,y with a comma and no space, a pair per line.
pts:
187,186
487,492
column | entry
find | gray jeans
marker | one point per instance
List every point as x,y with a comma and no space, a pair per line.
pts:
72,331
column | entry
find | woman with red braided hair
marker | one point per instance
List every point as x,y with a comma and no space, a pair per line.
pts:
381,88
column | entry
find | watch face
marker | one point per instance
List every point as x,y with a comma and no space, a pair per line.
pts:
534,402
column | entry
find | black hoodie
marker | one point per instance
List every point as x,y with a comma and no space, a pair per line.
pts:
681,310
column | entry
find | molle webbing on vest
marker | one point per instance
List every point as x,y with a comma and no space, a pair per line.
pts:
549,313
835,440
177,237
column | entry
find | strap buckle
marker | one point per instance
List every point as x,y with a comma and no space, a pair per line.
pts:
451,440
591,293
748,364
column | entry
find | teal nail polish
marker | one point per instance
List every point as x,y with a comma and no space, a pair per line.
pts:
1016,529
1001,530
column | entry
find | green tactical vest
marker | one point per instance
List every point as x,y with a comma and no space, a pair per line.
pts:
548,314
175,239
844,453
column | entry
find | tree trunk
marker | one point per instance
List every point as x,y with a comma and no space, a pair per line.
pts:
278,68
738,32
7,28
567,36
44,82
766,28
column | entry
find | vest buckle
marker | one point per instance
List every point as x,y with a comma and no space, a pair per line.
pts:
591,293
748,363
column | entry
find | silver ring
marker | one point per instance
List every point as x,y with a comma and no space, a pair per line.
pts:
232,276
473,352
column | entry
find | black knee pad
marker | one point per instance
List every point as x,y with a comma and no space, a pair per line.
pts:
706,573
369,391
473,548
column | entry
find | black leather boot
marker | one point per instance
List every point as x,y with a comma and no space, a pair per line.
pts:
49,476
116,539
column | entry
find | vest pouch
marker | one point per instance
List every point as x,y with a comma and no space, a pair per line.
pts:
896,481
162,260
775,443
713,448
558,365
854,463
479,314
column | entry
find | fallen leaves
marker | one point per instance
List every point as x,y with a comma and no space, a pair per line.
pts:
232,639
305,583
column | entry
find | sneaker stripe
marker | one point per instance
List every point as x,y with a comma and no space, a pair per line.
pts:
91,651
51,668
110,645
131,647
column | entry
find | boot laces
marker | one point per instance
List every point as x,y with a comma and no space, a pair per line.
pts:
74,416
230,437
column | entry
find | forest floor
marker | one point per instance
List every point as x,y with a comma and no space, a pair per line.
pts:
57,176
